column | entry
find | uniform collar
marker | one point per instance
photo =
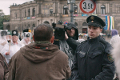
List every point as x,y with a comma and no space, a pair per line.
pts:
93,40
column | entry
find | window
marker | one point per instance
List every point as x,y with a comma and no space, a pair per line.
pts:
51,11
15,15
28,12
102,9
25,13
33,25
65,10
75,9
76,23
118,9
84,30
28,26
95,12
33,12
84,24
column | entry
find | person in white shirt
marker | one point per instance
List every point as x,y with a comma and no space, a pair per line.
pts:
3,40
10,49
26,38
115,37
80,39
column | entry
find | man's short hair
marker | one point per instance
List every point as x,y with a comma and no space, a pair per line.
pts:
43,32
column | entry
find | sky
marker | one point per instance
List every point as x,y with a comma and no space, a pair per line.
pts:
5,4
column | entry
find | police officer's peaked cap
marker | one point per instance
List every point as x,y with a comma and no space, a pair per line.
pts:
14,32
70,25
3,33
95,21
26,30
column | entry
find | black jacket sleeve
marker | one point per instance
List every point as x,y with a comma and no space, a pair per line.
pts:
72,43
75,74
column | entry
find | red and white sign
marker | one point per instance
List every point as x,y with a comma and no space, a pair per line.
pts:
87,6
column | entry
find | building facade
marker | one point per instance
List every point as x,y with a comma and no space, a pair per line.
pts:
33,13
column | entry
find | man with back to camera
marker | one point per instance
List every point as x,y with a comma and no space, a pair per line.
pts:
93,57
41,60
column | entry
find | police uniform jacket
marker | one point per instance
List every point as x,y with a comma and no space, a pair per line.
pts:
93,61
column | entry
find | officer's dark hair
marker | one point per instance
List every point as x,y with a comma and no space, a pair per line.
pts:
43,32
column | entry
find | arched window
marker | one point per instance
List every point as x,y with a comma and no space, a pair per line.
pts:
46,22
76,23
51,11
28,26
8,27
84,24
28,12
84,29
15,15
103,9
33,25
65,10
33,12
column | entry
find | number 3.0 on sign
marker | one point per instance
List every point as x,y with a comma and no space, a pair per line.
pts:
87,6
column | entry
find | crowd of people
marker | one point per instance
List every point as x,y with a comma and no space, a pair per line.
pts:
48,57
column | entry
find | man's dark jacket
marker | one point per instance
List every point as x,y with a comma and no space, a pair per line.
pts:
93,61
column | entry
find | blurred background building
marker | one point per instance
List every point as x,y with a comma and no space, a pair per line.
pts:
30,14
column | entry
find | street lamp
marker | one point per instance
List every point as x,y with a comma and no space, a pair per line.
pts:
71,2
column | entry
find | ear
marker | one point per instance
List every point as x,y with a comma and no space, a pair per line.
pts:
33,38
52,39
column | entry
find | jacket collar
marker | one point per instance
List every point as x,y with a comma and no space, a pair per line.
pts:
93,40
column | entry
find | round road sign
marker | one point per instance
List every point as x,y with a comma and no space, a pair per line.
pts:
87,6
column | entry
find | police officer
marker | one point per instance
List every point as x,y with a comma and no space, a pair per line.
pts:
10,49
93,59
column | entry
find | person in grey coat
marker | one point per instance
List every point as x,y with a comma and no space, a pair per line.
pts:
69,43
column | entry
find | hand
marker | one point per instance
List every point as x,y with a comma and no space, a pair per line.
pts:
66,36
7,53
